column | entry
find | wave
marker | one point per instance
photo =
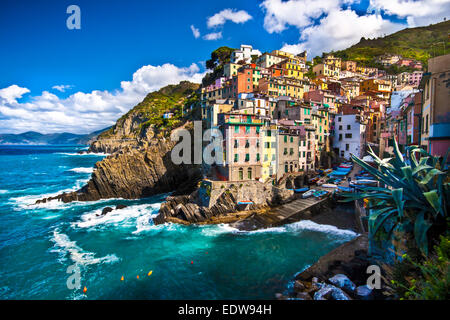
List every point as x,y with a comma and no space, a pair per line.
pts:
65,247
4,191
82,170
296,227
139,216
29,201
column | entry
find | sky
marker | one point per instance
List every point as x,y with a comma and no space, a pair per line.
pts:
56,79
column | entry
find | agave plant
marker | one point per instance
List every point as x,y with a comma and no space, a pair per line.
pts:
415,196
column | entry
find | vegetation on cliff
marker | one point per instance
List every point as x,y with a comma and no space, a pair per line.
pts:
181,100
219,58
419,43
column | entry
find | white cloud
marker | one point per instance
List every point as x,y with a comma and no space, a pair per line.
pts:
299,13
326,25
85,112
62,87
223,16
339,30
213,36
12,93
195,31
416,12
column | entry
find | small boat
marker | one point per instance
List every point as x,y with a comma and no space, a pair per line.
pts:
329,185
320,194
308,194
301,190
245,202
346,189
364,181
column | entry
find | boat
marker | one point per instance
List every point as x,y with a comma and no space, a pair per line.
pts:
245,202
301,190
308,194
346,189
329,185
320,193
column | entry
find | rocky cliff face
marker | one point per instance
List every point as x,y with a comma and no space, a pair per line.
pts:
219,198
140,164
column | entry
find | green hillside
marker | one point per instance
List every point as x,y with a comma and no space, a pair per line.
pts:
419,43
171,98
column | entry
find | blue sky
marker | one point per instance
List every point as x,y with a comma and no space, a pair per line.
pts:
54,79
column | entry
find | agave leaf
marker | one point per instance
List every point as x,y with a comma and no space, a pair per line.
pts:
382,219
397,195
433,199
407,173
423,161
421,167
444,160
421,227
430,176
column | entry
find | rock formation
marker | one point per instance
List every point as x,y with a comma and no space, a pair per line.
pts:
140,164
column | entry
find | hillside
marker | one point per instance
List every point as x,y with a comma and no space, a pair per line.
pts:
419,43
150,111
36,138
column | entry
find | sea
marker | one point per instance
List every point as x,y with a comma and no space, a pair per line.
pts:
70,251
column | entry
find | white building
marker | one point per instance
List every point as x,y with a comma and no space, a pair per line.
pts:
349,135
245,54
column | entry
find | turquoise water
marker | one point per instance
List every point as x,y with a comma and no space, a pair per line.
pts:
39,242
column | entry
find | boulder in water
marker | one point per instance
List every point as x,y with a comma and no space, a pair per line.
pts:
343,282
106,210
120,206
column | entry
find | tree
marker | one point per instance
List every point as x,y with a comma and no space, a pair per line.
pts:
220,56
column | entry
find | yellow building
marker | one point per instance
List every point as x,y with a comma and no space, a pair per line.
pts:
277,87
292,69
269,151
231,69
323,69
333,61
383,87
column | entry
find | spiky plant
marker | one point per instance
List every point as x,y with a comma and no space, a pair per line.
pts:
415,196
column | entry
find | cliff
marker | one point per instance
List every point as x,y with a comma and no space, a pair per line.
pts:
217,198
140,147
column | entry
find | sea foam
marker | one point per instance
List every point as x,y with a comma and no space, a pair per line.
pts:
67,248
136,215
82,170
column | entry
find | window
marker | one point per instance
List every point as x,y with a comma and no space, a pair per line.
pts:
236,143
339,119
257,157
291,151
236,129
304,154
249,173
269,133
267,145
348,135
347,147
292,139
247,157
247,129
285,151
286,167
349,127
241,174
285,138
247,143
236,158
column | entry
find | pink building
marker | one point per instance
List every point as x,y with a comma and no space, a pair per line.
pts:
241,145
